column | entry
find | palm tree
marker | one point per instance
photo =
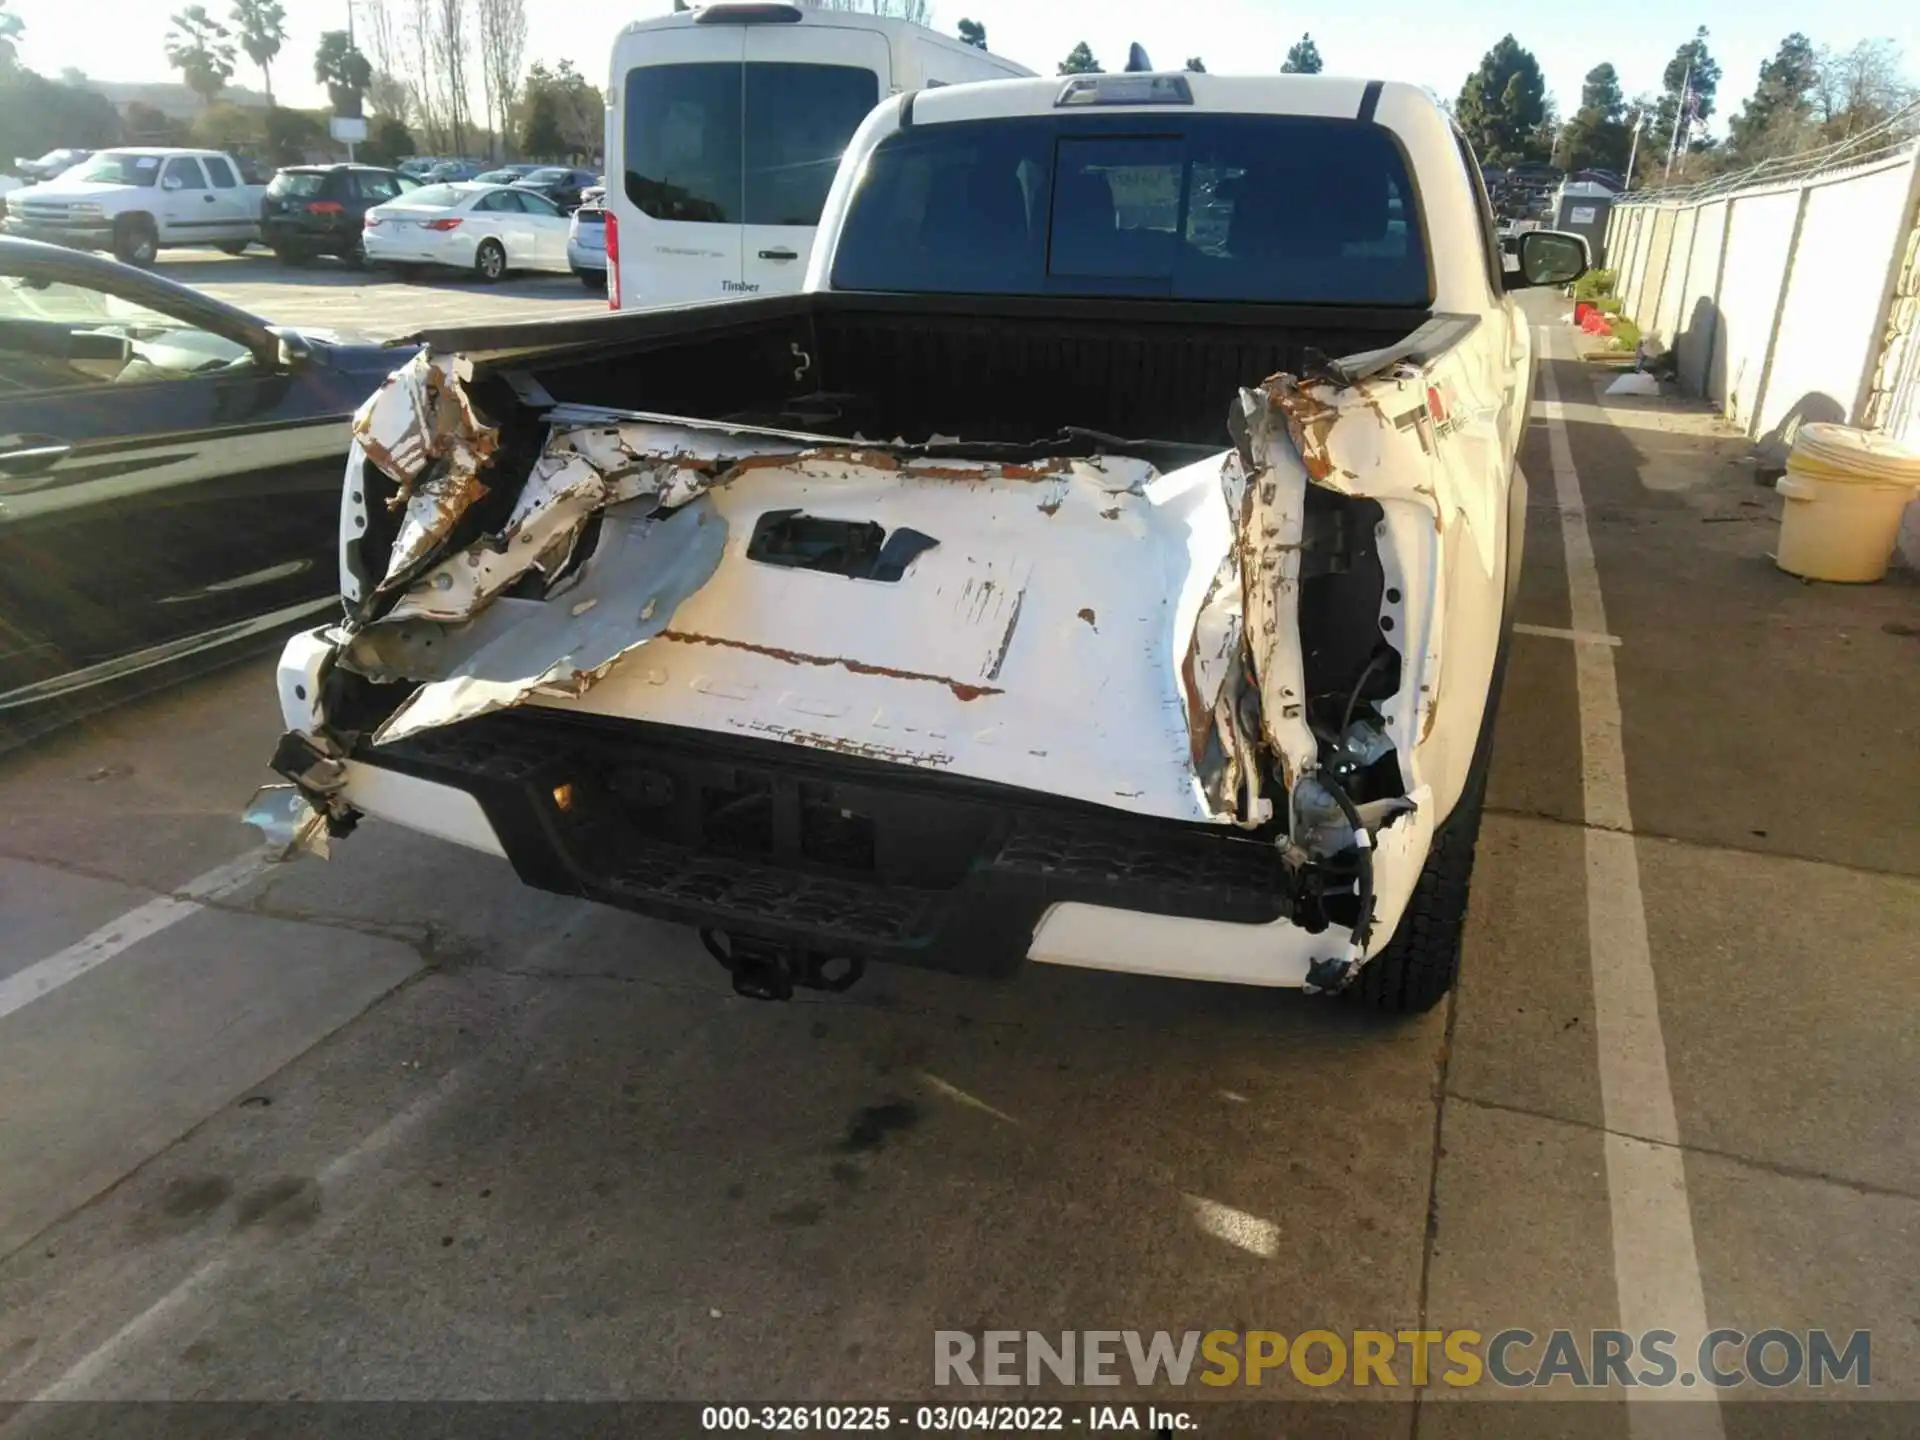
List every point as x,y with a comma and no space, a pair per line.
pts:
339,65
263,30
198,48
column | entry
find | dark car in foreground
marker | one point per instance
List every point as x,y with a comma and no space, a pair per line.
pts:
559,184
169,480
314,210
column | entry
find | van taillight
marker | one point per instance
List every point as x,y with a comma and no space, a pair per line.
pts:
613,261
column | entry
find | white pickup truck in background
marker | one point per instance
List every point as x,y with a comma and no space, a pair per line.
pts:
1158,630
139,200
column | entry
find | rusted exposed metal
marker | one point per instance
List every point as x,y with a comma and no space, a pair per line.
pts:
421,429
960,688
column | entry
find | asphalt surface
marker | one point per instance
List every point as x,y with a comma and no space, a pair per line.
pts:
374,304
394,1127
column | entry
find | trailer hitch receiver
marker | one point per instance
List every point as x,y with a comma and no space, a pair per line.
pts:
768,970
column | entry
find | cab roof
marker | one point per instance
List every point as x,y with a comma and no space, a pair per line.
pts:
1327,96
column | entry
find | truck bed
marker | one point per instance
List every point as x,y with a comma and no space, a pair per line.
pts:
882,367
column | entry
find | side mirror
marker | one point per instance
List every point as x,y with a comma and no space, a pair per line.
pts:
292,352
172,182
1546,257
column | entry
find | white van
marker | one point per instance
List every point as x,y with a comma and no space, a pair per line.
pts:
724,128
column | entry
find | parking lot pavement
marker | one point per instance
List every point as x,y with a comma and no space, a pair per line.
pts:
372,303
393,1126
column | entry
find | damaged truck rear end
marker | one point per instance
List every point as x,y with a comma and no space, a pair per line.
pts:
1104,562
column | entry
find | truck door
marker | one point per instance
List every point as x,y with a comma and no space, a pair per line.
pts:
806,89
675,189
232,202
189,210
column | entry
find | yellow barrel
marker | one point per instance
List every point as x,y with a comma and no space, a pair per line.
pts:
1845,490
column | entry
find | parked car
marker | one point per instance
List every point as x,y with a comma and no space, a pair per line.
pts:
49,165
418,166
505,174
587,241
559,184
1213,701
488,230
139,200
452,171
169,479
314,210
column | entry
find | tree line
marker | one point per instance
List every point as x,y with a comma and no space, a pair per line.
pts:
421,70
1806,96
1303,57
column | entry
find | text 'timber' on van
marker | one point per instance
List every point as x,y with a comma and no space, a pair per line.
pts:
725,127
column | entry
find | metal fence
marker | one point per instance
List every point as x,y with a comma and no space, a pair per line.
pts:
1789,292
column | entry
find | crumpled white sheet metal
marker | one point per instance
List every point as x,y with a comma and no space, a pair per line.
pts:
421,429
629,588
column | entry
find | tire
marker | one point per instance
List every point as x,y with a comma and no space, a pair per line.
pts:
594,280
288,255
1421,962
354,257
234,247
135,241
490,261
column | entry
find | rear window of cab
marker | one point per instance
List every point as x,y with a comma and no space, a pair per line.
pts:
300,184
1260,208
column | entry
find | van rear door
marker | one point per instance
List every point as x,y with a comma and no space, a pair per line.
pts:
805,90
678,196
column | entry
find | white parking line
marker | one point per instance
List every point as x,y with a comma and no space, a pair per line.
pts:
339,1178
1554,632
43,977
1656,1270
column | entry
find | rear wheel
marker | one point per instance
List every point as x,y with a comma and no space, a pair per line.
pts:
135,241
594,280
234,247
1421,962
354,256
490,261
290,255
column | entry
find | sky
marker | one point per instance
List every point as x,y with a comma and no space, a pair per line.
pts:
1434,43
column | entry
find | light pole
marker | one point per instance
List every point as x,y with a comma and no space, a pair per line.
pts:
1633,150
1679,118
352,49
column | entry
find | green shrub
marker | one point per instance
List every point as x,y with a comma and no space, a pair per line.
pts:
1626,334
1593,284
1607,304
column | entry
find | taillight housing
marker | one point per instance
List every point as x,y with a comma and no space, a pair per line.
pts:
613,261
370,220
326,207
446,223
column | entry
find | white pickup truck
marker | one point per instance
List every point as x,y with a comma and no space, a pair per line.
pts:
139,201
1104,562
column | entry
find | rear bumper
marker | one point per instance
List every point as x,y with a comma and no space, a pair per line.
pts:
830,854
281,231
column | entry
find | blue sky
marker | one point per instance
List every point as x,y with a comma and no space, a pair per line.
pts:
1434,43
